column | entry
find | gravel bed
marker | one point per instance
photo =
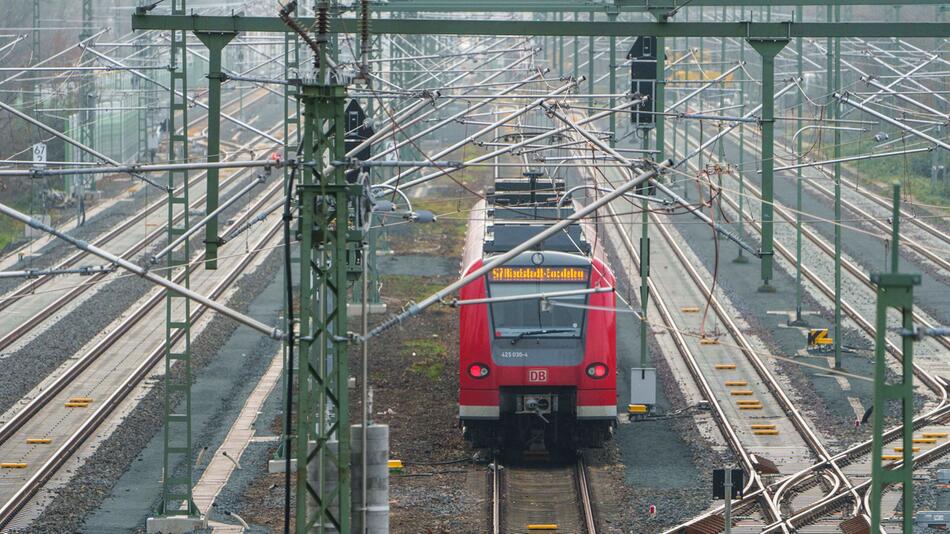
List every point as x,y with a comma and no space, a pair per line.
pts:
35,360
927,496
46,352
817,395
94,480
56,251
626,478
866,251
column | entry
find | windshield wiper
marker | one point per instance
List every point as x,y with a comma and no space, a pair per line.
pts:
539,332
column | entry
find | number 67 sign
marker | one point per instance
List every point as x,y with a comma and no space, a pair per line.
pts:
39,156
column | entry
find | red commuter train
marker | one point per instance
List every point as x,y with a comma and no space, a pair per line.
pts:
535,373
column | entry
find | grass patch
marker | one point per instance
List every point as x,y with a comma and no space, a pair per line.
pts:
408,287
912,170
428,357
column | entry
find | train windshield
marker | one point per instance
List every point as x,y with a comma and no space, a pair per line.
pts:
562,317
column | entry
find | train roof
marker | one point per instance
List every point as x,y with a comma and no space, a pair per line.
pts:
518,209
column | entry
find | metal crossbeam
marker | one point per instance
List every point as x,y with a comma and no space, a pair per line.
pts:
583,6
596,28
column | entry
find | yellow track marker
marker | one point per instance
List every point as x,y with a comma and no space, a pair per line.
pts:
725,366
636,408
77,404
690,309
743,402
736,383
12,465
765,432
38,441
924,440
935,434
542,526
87,400
395,465
901,449
891,457
708,341
750,407
762,427
741,392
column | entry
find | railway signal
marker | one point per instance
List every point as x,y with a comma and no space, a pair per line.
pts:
643,76
727,482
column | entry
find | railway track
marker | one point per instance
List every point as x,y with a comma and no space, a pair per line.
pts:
875,220
196,122
830,474
529,497
107,373
64,290
858,272
758,382
883,205
856,458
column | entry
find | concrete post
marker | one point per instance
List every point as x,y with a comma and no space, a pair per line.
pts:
375,514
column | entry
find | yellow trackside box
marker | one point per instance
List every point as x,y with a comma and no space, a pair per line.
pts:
818,337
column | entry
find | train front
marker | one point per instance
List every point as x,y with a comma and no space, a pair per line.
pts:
539,372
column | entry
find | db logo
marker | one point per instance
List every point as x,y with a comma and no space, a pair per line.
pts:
537,375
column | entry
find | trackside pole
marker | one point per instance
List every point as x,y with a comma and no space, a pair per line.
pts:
727,513
894,290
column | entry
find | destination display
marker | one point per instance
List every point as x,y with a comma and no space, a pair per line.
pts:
538,274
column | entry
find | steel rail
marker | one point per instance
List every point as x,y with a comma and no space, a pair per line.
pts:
524,142
490,127
93,152
932,382
38,402
15,334
891,434
884,203
581,486
849,310
273,332
496,497
880,201
833,502
191,99
587,507
794,416
721,419
396,121
849,265
451,119
9,509
28,289
72,293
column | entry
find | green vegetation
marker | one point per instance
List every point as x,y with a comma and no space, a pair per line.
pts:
10,231
912,170
427,355
408,287
14,192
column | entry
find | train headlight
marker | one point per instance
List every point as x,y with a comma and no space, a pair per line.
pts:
477,370
597,370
